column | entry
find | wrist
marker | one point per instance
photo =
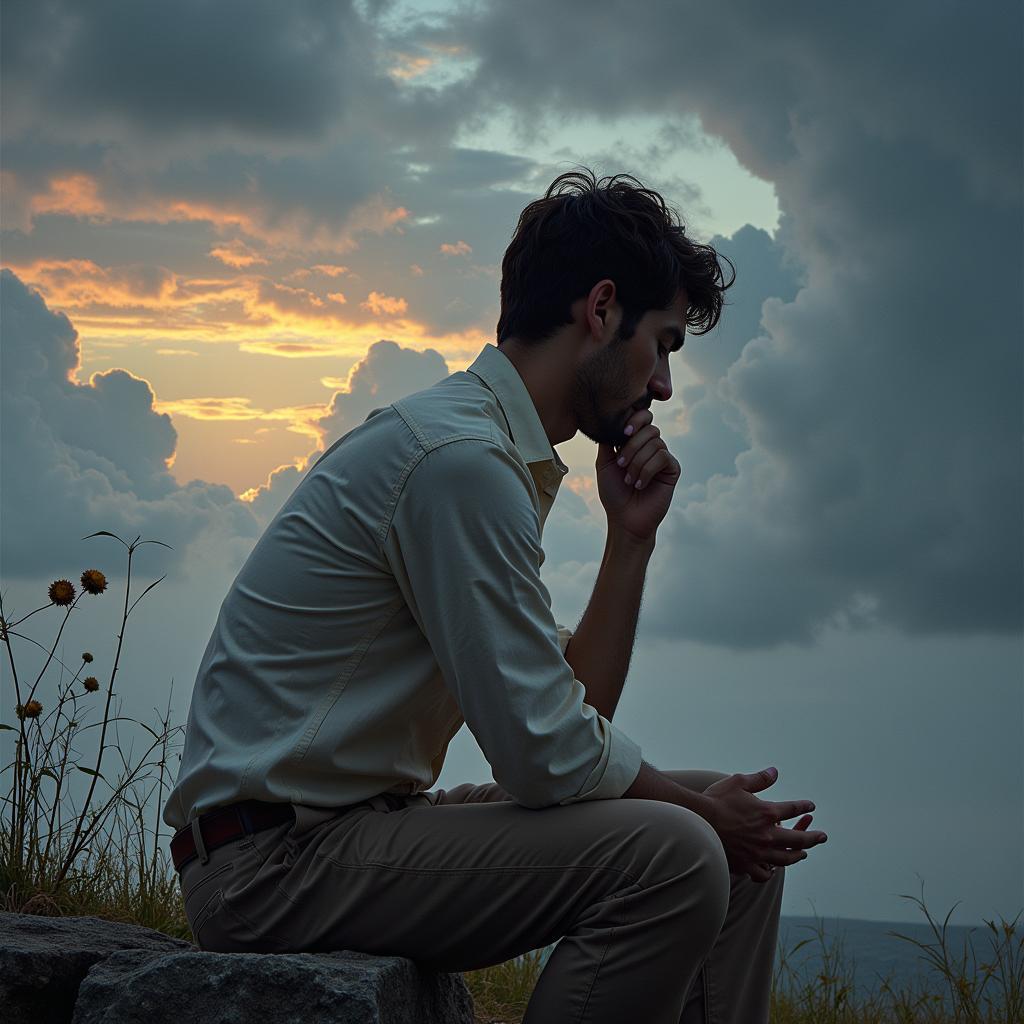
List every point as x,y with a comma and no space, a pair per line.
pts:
620,540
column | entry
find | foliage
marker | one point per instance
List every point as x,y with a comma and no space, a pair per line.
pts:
62,852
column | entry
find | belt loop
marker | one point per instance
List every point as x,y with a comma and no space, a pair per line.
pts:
197,835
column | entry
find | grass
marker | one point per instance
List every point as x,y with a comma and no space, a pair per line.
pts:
66,852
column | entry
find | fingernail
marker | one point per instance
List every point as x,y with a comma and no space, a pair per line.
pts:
621,460
629,430
628,478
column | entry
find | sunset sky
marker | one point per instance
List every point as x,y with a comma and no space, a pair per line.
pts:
229,230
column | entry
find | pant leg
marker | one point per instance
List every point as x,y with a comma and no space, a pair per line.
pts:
735,980
637,891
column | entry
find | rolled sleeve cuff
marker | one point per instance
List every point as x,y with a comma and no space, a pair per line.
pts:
616,770
564,636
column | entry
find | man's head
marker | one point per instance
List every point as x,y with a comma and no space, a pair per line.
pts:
598,284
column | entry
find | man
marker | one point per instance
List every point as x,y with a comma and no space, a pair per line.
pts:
397,595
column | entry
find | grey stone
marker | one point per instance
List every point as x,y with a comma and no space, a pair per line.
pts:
142,987
54,970
44,959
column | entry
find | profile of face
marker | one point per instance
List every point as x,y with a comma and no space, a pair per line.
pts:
622,377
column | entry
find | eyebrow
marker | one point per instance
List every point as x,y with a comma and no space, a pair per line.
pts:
677,335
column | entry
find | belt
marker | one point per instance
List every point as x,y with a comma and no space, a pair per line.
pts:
223,824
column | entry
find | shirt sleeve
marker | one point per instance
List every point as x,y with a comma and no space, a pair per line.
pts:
464,545
564,636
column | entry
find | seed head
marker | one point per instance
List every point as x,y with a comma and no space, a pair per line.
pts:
91,683
32,709
93,581
61,592
86,657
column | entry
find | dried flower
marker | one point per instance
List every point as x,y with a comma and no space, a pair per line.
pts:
91,683
32,709
93,581
86,657
61,592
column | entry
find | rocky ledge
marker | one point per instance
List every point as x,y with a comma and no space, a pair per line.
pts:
83,970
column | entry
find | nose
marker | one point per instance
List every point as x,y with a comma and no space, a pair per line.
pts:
660,385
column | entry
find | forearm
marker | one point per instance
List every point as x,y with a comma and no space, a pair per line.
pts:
650,784
602,645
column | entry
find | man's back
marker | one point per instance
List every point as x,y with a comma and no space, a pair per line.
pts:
328,680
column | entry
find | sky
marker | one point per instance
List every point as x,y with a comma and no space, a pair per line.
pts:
228,231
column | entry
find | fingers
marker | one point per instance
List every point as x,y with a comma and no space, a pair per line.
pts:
785,858
786,809
797,838
754,782
636,455
759,873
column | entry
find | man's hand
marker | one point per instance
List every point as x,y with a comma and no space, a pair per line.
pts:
631,510
749,828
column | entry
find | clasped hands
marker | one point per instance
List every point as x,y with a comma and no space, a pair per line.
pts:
749,828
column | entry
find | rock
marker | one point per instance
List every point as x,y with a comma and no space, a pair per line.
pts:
55,970
141,987
44,959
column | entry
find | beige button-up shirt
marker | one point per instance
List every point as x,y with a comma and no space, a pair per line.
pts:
394,596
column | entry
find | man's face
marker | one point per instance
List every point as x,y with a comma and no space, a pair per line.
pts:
625,376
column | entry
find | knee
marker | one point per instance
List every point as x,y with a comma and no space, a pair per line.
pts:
694,854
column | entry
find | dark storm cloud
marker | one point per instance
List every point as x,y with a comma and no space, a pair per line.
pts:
881,404
263,68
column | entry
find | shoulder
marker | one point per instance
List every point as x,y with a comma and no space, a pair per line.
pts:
472,465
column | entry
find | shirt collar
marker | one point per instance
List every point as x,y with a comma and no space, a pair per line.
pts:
498,373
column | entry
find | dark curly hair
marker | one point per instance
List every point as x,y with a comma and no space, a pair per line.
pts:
583,230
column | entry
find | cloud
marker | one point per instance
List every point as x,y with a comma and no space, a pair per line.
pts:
870,408
256,69
237,254
387,305
78,458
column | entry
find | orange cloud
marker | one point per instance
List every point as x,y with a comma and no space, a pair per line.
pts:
378,303
77,195
460,248
116,308
407,66
257,216
237,254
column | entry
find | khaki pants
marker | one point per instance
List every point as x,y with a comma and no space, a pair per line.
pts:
650,924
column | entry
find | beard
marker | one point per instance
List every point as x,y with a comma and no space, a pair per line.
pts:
601,400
